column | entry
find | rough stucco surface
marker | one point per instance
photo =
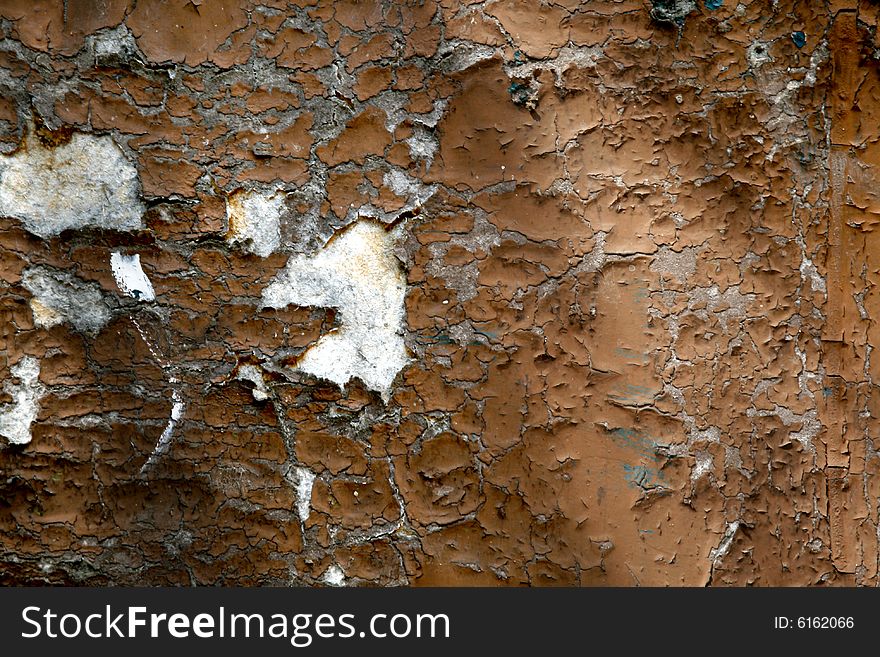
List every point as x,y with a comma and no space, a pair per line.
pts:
492,293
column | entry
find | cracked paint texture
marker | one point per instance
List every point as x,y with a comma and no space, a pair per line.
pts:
433,293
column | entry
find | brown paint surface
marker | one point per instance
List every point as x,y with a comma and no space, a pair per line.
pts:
641,295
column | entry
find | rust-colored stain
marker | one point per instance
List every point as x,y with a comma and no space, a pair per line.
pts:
641,294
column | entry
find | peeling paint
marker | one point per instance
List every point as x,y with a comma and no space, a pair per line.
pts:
588,293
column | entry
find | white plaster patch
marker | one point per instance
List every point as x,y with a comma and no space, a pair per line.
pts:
569,57
408,187
460,55
810,273
357,273
255,220
164,442
130,276
716,554
810,428
703,465
333,576
253,374
596,258
45,317
59,296
305,480
16,419
112,45
85,182
731,305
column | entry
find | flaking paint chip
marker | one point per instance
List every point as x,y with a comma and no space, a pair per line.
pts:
130,276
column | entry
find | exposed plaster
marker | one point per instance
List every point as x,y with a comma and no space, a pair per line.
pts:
255,220
86,182
253,374
16,418
357,273
164,442
59,296
334,576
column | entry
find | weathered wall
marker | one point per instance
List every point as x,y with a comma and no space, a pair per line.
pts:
505,292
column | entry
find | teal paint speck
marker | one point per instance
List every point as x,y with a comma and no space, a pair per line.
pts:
799,38
713,4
